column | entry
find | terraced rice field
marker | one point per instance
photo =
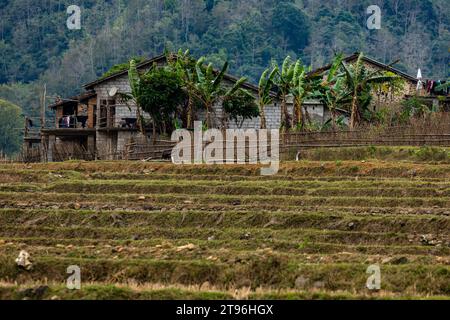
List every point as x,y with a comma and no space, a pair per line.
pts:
158,231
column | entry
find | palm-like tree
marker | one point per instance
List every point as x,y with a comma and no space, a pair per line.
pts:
135,96
285,83
264,92
185,66
304,85
358,81
334,96
208,87
332,90
299,91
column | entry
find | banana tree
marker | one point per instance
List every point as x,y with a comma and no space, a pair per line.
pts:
333,96
208,88
303,86
299,92
264,92
135,97
185,66
285,83
332,91
359,81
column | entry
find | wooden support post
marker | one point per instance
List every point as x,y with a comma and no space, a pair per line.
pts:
42,104
51,148
91,146
44,144
25,132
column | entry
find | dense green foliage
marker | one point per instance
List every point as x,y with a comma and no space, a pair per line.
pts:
240,107
266,82
162,93
35,44
10,122
158,92
359,81
173,93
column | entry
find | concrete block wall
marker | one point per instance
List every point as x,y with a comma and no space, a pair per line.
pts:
102,142
273,116
123,138
105,142
273,119
124,112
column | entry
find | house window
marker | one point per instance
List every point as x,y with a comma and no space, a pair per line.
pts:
107,113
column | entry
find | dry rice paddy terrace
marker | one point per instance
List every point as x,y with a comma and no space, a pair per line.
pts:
159,231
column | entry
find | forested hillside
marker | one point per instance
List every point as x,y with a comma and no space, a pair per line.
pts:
36,46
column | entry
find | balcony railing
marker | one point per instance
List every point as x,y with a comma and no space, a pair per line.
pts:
72,122
118,123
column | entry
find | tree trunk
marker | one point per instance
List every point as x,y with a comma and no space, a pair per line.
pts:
354,116
140,122
208,116
189,113
154,133
299,119
333,117
262,115
284,113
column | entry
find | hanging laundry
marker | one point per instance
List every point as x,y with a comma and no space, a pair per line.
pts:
65,122
431,87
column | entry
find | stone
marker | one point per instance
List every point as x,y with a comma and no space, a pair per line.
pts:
351,225
119,249
141,198
386,260
23,260
429,240
246,236
212,258
188,247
